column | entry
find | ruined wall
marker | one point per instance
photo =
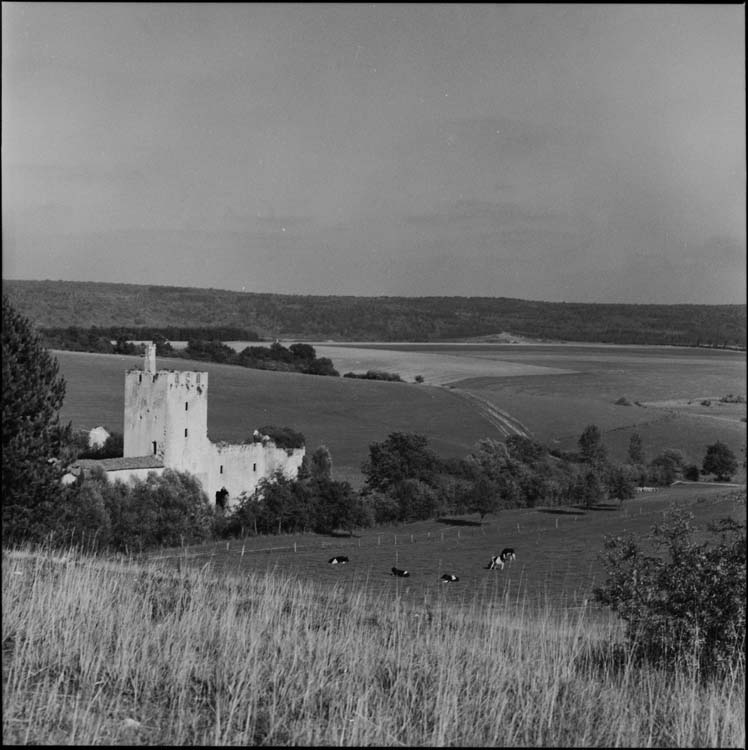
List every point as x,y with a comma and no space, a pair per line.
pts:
239,468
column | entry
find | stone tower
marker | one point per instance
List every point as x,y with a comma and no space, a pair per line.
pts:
166,415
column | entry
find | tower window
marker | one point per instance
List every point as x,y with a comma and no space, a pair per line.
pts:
155,448
220,471
140,378
197,379
185,432
254,467
186,405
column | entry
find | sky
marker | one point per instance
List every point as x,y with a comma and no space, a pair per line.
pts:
579,153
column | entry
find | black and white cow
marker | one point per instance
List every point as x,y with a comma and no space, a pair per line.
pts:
449,578
338,560
400,573
496,562
507,554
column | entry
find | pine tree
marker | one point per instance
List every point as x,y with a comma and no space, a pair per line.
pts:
32,437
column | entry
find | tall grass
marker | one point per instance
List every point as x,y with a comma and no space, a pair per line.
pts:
103,652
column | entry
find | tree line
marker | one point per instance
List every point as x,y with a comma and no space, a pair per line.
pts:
377,318
206,345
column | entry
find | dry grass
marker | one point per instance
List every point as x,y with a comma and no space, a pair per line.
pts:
101,652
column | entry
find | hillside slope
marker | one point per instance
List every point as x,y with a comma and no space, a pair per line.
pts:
71,303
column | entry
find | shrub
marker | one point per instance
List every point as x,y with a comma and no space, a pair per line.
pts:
165,510
691,473
685,601
283,437
375,375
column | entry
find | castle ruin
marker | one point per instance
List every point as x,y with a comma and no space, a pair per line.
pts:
166,426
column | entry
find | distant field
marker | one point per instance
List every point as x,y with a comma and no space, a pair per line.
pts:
555,391
488,390
557,550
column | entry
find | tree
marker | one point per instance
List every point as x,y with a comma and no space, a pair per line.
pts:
525,449
404,455
33,440
620,483
485,497
589,488
636,449
720,460
320,466
490,458
665,468
591,446
336,506
686,600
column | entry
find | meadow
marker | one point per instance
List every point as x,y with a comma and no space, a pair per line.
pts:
557,551
265,651
470,391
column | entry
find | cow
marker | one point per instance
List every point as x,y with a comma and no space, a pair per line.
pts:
449,578
496,562
400,573
338,559
507,554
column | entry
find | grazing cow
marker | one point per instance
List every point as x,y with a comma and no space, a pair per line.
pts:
507,554
400,573
449,578
496,562
341,559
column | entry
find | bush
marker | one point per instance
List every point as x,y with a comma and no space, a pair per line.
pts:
283,437
166,510
375,375
691,473
687,600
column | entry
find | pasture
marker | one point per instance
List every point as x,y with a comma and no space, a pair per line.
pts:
471,391
280,648
557,551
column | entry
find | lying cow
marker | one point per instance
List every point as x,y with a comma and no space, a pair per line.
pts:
338,559
449,578
496,562
507,554
400,573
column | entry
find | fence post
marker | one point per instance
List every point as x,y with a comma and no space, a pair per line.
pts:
518,528
243,546
379,540
294,546
557,523
227,546
396,540
411,538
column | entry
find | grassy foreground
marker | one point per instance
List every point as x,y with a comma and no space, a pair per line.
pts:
98,652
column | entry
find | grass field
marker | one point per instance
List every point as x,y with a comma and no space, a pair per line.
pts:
486,390
280,648
557,551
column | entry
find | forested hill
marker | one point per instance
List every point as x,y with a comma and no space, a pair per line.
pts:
55,304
